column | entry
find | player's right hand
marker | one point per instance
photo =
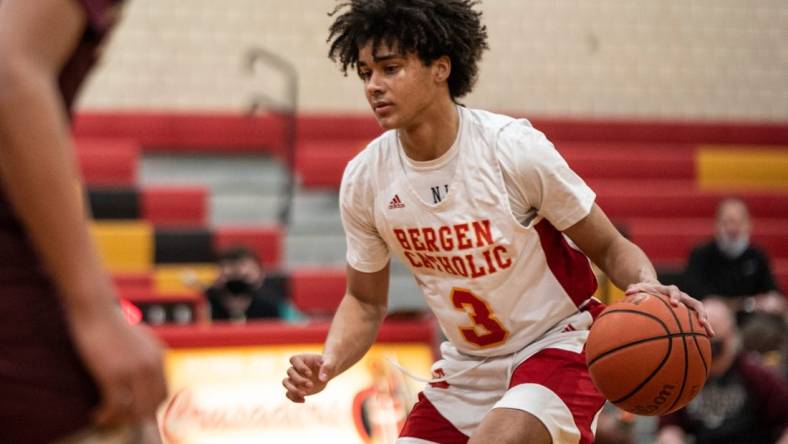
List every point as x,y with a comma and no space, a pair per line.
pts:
308,374
126,363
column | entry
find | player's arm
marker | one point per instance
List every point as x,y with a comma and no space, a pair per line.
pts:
540,178
36,165
39,177
623,261
353,331
358,318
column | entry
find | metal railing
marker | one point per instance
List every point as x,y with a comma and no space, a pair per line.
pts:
261,101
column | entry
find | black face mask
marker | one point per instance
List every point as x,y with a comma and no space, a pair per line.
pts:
238,287
716,348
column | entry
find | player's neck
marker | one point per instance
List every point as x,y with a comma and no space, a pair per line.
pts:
433,134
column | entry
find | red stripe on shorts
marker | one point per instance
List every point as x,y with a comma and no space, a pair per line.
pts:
565,374
425,422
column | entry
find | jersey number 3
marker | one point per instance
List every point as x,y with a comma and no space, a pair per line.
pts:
486,329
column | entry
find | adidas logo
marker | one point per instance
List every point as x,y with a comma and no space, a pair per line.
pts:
396,203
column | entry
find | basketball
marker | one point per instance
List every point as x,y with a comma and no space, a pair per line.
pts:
648,357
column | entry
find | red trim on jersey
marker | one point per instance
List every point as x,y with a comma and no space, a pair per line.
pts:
426,422
594,306
565,374
568,265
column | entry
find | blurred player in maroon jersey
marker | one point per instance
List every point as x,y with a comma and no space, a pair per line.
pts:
69,362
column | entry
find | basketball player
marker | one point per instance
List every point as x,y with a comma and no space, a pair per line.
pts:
69,362
486,214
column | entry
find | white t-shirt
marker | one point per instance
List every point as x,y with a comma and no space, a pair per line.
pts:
431,178
492,239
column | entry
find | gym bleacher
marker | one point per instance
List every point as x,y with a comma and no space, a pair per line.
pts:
165,202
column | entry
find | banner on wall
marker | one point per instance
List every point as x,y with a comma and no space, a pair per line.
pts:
235,395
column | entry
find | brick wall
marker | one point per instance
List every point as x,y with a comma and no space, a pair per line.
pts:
652,59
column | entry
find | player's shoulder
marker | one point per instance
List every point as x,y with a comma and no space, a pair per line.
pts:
363,167
486,121
508,132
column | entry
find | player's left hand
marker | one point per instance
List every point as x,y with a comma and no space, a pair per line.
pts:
676,297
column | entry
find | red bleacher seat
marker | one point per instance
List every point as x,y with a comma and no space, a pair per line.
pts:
663,131
266,241
636,161
180,130
634,198
669,241
188,132
320,164
107,162
175,205
317,291
133,280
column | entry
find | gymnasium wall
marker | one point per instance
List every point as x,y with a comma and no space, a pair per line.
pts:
723,60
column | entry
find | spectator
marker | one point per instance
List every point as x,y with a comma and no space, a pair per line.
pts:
242,291
614,426
741,403
731,268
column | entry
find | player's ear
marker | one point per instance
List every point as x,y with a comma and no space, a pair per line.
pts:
441,69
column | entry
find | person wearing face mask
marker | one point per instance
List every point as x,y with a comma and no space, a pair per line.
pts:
742,401
239,293
731,268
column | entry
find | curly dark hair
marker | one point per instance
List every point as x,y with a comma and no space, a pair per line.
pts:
428,28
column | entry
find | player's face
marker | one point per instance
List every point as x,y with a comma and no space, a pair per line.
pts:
398,87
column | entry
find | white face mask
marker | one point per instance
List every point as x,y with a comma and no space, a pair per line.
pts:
733,248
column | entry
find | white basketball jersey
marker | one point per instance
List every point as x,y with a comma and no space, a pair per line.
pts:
494,285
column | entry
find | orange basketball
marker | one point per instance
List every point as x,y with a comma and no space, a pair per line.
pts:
648,358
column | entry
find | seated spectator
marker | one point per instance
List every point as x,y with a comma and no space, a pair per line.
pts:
766,335
240,291
731,268
741,403
614,426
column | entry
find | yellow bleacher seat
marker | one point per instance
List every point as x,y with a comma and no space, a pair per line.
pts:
125,247
614,294
183,278
742,167
606,291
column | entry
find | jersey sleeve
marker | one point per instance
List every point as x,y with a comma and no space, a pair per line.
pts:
538,177
366,250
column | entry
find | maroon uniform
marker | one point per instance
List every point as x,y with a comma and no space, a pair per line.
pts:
45,391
